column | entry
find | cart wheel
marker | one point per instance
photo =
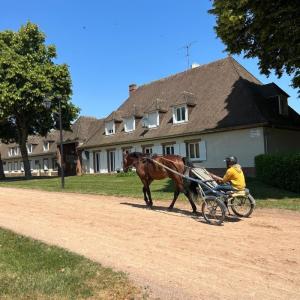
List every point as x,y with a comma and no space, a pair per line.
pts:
243,206
213,210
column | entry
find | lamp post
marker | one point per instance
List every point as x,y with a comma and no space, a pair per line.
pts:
47,104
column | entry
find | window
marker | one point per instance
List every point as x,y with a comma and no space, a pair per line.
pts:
152,120
194,152
197,150
22,166
180,114
37,164
46,146
168,149
97,162
16,166
29,148
110,128
129,124
147,150
283,107
10,152
46,164
111,161
54,164
16,151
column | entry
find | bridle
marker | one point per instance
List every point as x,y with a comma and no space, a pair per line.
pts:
129,166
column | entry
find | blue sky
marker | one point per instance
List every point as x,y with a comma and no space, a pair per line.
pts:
110,44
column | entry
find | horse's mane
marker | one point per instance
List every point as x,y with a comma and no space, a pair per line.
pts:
137,154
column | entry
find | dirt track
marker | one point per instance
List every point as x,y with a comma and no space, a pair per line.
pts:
176,255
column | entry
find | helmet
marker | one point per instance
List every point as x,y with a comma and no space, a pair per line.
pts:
231,160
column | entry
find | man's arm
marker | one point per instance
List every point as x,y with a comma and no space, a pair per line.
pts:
216,178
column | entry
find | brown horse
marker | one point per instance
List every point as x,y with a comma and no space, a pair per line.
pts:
148,171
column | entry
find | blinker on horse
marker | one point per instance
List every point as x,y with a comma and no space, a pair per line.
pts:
148,171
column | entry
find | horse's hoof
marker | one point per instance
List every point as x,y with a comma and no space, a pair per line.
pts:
170,208
195,212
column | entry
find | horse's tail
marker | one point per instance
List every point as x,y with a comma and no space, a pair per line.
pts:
187,165
190,185
187,162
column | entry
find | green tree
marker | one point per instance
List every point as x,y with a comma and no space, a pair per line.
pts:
268,30
29,75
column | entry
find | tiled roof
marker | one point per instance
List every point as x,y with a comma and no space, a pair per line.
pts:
82,128
220,95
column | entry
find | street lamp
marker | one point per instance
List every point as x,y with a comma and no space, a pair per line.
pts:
47,105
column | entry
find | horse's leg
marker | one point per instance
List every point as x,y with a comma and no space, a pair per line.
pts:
180,188
149,193
176,194
188,195
145,195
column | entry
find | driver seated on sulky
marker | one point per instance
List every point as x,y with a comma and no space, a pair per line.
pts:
233,179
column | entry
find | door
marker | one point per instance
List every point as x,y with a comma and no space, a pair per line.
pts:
111,160
97,162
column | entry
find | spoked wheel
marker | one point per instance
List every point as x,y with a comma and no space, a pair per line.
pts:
243,206
213,210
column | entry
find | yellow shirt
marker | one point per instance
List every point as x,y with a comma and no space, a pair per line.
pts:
235,176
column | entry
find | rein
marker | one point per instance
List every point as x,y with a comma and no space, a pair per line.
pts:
173,171
169,169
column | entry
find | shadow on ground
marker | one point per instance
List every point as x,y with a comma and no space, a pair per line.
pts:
258,190
179,212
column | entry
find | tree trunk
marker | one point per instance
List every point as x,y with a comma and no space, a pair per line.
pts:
2,175
23,148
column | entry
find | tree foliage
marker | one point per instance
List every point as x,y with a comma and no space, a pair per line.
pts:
29,75
268,30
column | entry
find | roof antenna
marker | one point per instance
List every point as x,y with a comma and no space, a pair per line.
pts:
187,48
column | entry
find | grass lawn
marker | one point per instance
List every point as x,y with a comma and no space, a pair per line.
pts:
124,185
32,270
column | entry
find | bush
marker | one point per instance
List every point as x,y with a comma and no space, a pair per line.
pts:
280,170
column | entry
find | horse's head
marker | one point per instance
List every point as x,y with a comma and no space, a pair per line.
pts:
128,161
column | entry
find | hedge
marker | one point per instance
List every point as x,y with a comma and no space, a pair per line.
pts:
280,170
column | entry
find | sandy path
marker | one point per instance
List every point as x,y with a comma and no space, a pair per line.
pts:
178,256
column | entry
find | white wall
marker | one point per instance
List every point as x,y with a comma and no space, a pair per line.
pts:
34,168
243,143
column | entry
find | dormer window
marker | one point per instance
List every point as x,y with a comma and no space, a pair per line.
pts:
151,120
110,128
16,151
10,152
283,107
29,148
46,146
180,114
129,124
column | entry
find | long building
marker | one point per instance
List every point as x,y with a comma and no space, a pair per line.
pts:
204,113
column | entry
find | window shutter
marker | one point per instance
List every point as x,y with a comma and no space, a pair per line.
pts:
202,146
182,149
176,149
158,149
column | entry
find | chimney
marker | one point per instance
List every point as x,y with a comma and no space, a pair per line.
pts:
132,88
